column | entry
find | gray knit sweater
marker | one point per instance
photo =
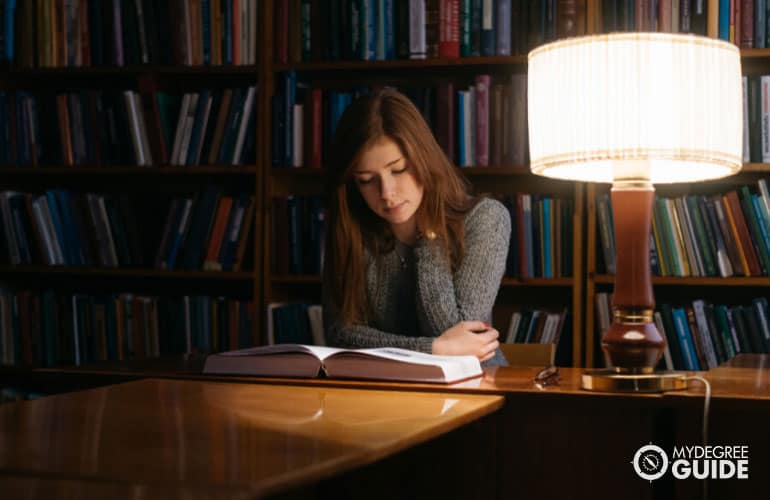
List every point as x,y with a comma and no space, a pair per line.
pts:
414,295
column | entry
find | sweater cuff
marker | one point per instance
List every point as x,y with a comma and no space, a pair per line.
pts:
426,345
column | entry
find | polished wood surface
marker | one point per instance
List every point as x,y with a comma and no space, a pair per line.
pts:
182,433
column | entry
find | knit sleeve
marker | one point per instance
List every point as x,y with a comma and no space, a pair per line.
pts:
360,336
469,294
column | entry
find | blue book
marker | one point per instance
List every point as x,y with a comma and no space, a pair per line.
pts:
206,30
685,339
756,204
227,33
289,96
295,206
369,31
8,29
199,127
724,19
546,232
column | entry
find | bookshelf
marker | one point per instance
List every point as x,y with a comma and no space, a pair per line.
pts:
259,178
499,178
158,57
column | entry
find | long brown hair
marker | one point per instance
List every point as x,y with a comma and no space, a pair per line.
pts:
353,226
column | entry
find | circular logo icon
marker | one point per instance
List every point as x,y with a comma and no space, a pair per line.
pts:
650,462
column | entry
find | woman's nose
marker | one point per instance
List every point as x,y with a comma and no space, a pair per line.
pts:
387,187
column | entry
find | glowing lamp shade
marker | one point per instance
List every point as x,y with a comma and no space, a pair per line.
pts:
652,107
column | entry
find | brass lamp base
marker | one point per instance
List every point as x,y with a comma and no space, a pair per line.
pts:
643,380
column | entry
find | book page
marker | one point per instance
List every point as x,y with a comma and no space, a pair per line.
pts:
319,352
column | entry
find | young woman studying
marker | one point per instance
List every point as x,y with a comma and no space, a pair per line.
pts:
412,260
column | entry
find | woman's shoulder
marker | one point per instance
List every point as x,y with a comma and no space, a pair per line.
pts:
487,211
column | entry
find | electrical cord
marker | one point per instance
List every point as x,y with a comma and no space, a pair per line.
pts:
705,425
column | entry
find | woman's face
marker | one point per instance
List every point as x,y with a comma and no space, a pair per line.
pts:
387,183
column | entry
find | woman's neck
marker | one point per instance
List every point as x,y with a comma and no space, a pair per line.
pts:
405,232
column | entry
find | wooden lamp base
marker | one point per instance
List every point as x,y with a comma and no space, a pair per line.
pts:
632,343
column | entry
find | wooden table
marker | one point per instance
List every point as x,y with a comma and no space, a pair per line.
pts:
587,440
169,438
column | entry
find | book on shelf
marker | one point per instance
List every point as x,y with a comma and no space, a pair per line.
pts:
305,361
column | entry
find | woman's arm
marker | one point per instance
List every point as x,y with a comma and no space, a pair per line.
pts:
470,294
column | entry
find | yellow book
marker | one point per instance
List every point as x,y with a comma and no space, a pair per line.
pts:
681,254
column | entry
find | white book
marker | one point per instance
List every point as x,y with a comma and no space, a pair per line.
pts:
384,363
513,327
143,138
180,121
417,42
746,146
315,316
42,228
189,121
133,121
699,310
105,223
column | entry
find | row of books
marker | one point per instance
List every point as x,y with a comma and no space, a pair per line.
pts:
295,323
128,128
479,125
61,227
210,231
701,335
541,236
531,326
77,33
697,235
211,228
670,16
417,29
297,234
46,328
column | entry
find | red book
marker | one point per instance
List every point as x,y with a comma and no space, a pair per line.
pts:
733,205
445,126
449,28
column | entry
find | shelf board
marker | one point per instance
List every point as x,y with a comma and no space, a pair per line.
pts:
123,71
756,167
90,272
295,279
754,53
403,63
544,282
689,281
129,170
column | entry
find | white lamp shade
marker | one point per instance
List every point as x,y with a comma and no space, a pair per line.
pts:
654,107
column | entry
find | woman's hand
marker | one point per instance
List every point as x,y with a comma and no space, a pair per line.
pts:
473,338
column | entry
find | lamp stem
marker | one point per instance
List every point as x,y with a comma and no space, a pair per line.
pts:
633,342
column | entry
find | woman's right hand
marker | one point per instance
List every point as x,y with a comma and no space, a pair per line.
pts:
463,339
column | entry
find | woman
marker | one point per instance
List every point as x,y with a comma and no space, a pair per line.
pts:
412,259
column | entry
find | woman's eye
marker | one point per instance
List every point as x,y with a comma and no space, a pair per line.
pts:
396,172
361,181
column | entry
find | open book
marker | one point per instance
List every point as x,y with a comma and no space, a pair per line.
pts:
384,363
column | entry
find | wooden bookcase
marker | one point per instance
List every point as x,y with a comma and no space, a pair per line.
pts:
264,182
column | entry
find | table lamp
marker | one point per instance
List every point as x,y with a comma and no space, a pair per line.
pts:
634,109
